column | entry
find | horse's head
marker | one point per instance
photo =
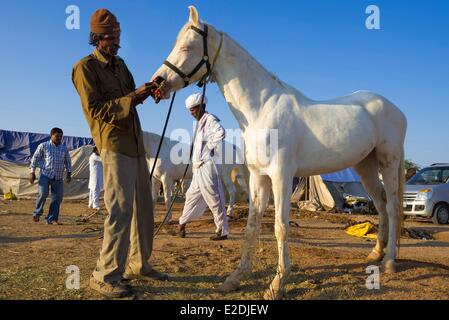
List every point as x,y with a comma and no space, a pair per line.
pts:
191,59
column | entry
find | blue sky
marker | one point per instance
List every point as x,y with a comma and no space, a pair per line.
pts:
321,47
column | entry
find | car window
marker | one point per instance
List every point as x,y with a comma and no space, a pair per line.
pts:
429,176
445,175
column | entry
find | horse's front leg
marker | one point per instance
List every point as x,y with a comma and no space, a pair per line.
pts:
260,191
282,191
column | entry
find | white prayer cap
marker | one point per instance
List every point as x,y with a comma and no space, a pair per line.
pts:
194,100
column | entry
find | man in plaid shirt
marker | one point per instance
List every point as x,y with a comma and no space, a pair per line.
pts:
52,158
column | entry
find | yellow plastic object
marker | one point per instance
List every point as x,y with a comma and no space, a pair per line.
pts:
9,195
362,230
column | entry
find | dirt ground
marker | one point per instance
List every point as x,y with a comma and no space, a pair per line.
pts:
326,262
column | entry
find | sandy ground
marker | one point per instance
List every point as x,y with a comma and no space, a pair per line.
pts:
326,262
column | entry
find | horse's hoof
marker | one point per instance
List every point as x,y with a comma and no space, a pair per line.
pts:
375,256
390,267
229,286
271,294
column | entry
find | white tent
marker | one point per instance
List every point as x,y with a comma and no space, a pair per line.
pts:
16,177
328,191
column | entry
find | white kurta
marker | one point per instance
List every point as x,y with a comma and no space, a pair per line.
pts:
95,180
206,189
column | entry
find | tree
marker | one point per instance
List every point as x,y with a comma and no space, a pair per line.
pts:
410,164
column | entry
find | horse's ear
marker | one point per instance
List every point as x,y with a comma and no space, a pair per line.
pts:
194,16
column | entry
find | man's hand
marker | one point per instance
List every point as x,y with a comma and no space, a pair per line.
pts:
32,177
159,88
69,177
142,93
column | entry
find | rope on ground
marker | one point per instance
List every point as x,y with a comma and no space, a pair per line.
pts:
418,234
293,224
86,218
91,230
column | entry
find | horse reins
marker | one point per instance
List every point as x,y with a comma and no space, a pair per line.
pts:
163,135
178,187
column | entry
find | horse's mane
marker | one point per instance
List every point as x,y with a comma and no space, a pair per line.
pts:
256,64
255,61
285,86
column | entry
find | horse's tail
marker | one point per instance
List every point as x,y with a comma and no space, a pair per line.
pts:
401,177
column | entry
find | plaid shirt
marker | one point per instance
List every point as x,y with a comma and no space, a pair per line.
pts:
51,159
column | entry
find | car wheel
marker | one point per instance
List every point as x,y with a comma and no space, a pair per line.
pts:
441,214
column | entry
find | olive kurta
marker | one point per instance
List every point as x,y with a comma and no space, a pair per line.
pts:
113,120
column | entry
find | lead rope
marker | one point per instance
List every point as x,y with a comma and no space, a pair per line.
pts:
201,83
163,135
178,187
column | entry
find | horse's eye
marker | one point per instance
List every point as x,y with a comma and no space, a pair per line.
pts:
184,48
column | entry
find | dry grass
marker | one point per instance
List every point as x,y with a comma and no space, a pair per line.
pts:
326,263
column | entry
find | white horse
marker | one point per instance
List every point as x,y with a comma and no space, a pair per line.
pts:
363,130
167,172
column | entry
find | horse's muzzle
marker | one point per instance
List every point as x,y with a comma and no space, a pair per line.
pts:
159,87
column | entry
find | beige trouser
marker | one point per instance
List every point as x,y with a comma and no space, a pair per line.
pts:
205,191
128,229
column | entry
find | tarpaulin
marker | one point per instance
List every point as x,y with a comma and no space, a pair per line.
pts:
15,177
19,147
346,175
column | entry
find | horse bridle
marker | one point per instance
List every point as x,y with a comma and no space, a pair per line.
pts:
205,60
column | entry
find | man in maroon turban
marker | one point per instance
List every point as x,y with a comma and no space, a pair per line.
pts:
109,98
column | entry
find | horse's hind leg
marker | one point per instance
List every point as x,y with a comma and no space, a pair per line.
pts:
368,170
259,189
390,166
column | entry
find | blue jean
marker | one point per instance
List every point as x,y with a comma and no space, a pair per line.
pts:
57,189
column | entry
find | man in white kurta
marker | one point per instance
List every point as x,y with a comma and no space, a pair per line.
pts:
206,189
95,179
